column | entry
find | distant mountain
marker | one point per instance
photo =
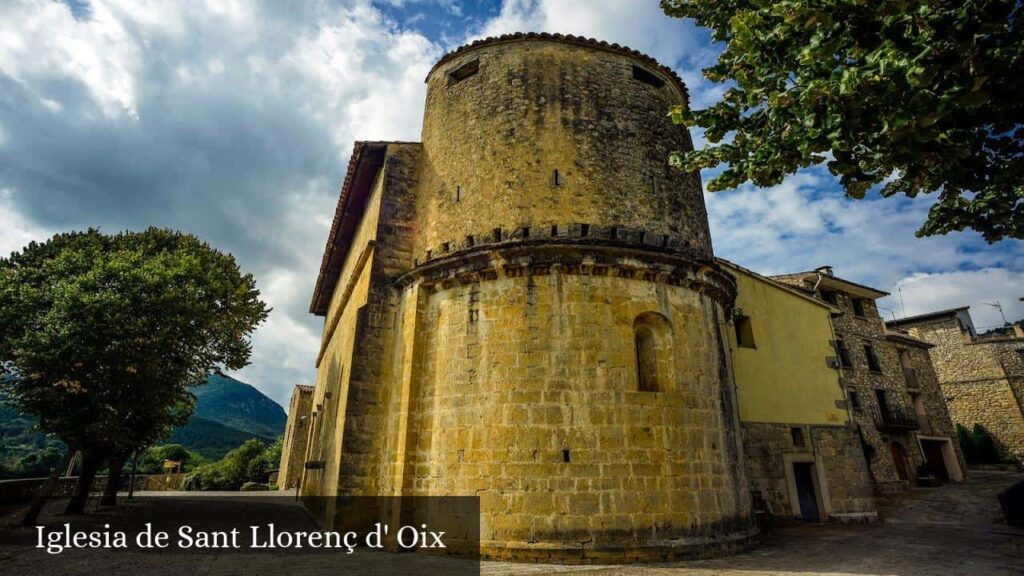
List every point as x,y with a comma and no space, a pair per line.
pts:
238,405
228,412
24,451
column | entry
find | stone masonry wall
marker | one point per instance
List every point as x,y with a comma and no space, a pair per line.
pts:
836,449
493,141
982,381
527,396
296,438
936,420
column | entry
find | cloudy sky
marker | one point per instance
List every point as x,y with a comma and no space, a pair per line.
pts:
234,120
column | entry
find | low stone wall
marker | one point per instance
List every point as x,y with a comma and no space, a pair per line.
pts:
25,489
165,482
992,404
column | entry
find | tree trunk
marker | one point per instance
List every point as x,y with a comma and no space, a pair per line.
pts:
131,479
48,487
90,463
116,465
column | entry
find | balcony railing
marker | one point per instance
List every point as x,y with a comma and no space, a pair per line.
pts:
895,419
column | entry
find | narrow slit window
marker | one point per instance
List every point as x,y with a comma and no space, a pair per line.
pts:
462,72
556,178
854,400
844,354
798,437
652,182
873,363
565,456
647,77
457,195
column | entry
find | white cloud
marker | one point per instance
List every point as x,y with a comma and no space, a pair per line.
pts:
15,230
38,36
806,222
232,120
923,292
639,25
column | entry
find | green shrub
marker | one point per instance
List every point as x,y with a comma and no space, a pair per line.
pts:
967,444
247,463
988,453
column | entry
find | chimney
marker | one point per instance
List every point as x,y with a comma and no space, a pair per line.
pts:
826,270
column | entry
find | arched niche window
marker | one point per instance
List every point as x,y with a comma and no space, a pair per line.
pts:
652,338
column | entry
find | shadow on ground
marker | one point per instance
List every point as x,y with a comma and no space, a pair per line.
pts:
932,532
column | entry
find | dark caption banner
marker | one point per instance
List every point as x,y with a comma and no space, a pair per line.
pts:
192,533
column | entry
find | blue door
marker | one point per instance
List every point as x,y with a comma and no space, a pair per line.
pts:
804,475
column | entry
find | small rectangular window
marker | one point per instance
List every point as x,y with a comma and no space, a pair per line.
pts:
858,307
830,297
744,332
463,72
758,501
647,77
798,437
869,353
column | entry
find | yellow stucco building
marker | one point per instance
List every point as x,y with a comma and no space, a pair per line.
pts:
803,455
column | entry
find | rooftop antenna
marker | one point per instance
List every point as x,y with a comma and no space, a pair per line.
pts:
893,314
999,307
903,307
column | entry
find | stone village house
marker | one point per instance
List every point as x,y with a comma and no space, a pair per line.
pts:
802,450
982,375
891,387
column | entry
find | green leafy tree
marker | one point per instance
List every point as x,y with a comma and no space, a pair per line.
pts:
924,96
272,455
245,464
152,459
103,335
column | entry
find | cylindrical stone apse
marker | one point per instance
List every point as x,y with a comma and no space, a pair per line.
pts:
568,365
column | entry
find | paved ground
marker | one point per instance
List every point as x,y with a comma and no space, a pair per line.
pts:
934,532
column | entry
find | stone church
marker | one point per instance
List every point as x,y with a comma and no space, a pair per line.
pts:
525,307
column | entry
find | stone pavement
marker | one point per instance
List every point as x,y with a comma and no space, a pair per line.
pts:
933,532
